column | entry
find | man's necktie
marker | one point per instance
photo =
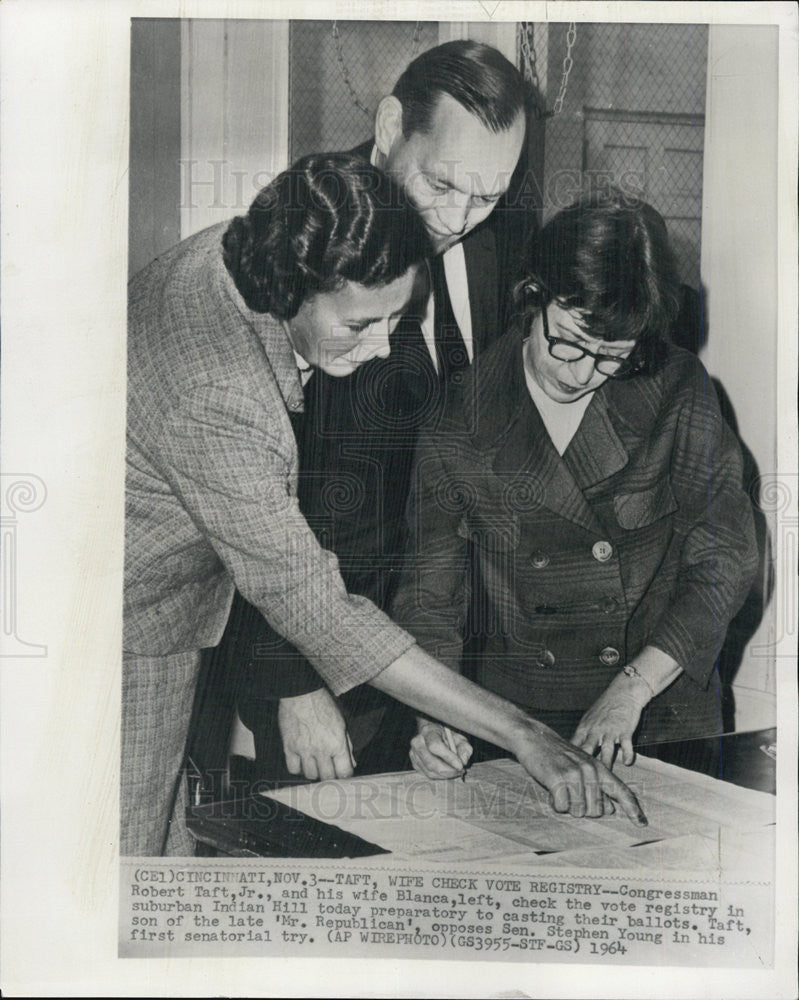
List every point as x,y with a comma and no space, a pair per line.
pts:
450,347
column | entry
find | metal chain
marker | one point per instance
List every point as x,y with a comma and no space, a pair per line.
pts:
568,62
416,40
345,73
417,36
530,69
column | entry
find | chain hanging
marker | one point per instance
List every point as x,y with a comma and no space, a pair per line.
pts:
345,75
568,62
530,67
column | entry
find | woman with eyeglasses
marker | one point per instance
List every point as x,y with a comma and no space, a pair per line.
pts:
579,517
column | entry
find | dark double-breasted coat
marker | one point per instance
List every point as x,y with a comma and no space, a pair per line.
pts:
639,534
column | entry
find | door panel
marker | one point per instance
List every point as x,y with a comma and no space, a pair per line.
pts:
658,157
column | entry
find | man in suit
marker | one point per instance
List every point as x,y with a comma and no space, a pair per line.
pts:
451,133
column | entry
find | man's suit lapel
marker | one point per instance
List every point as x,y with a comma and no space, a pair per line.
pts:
409,350
480,254
364,150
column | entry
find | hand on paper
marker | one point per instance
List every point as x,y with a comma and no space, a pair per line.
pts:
578,784
431,754
614,716
612,720
315,738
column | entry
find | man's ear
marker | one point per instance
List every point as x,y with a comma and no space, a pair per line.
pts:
388,123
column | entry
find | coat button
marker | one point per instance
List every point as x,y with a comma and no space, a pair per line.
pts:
609,604
609,656
540,560
547,658
602,551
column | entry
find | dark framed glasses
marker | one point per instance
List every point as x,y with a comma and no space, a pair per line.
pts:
568,350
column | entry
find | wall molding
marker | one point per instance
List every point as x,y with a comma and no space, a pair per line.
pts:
234,115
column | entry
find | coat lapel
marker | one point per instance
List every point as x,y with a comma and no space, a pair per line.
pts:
510,425
480,254
596,452
281,359
275,342
620,418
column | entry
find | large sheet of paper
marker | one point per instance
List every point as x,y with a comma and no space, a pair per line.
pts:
499,812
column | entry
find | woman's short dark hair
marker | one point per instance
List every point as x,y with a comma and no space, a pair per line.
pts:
328,219
477,76
608,257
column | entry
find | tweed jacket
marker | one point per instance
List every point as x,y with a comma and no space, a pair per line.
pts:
212,479
639,534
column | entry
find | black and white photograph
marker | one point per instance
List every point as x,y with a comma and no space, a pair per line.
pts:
400,573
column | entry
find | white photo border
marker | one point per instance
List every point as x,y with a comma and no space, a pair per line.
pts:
64,142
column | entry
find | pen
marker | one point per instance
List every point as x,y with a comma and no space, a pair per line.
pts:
449,739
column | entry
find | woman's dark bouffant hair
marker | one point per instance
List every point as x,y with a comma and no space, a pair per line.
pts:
328,219
608,256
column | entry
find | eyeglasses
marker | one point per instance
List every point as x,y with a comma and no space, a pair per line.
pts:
568,350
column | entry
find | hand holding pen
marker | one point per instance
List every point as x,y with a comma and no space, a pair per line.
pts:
439,752
449,739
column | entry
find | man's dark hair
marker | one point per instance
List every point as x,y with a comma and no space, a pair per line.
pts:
328,219
477,76
609,258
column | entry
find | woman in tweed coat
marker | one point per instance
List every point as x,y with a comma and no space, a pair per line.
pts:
318,273
586,484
